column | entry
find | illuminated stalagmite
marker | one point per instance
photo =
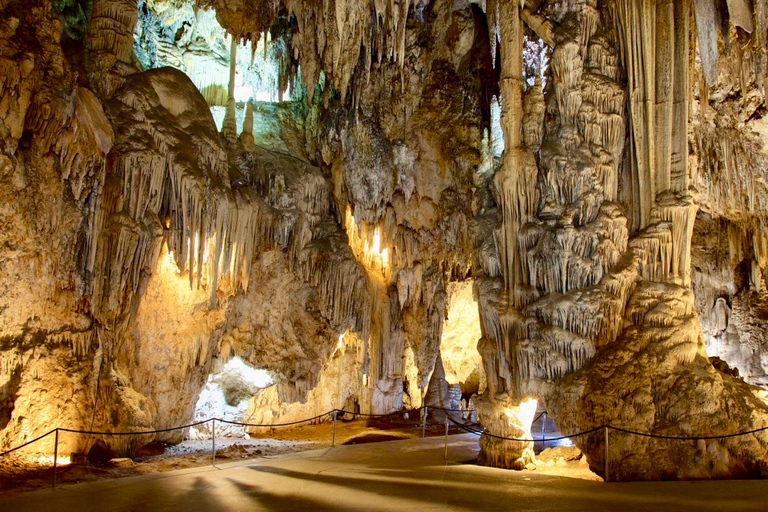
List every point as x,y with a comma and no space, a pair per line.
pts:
615,242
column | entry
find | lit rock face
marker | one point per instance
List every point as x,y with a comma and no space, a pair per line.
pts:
458,347
158,220
729,249
586,311
401,175
402,146
188,252
55,137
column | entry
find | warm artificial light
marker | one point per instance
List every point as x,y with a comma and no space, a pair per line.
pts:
368,252
522,416
60,460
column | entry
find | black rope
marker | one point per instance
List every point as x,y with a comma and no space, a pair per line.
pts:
523,440
442,409
27,443
140,433
276,424
688,438
342,411
618,429
364,415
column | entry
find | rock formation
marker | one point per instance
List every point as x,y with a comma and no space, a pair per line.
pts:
364,239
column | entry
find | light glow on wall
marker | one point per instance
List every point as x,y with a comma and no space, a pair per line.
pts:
521,417
367,248
61,460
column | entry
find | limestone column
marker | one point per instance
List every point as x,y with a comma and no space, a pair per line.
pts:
229,128
109,44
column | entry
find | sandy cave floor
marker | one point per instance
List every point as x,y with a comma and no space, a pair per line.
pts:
25,471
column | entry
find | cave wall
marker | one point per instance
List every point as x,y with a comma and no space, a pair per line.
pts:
178,237
613,246
596,314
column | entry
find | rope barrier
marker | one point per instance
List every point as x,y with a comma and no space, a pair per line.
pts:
610,427
521,440
240,424
209,420
139,433
27,443
364,415
462,426
688,438
442,409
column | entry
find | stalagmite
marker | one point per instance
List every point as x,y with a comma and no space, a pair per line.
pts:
229,129
246,136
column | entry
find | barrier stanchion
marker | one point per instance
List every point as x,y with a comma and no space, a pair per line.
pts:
55,456
543,425
213,442
606,453
424,422
333,439
445,455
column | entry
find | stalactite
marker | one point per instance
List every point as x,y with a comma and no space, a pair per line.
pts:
331,38
729,173
679,174
79,341
83,147
368,245
654,40
566,67
680,211
556,354
634,18
109,43
664,83
654,246
342,283
602,58
707,28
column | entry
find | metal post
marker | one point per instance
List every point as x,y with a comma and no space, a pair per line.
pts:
543,425
55,455
445,456
213,442
333,440
606,454
424,422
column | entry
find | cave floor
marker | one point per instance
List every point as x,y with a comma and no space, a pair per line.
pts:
29,470
401,475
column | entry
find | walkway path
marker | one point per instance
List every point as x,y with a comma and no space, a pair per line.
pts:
397,476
